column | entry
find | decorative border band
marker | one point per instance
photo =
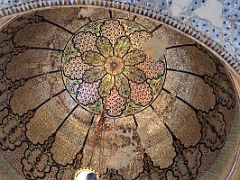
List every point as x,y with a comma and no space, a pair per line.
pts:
136,9
133,8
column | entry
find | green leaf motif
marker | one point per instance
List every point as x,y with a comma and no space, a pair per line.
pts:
93,58
131,108
134,57
122,46
69,52
72,86
122,85
105,47
93,74
156,85
97,107
134,74
106,85
131,27
93,27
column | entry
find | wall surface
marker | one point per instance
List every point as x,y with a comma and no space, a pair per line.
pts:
218,19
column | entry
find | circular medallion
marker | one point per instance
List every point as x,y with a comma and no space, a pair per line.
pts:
105,67
114,65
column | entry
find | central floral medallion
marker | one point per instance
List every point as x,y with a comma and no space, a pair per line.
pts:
105,67
114,65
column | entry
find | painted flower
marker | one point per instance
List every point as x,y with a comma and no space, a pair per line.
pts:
36,162
12,129
11,132
113,68
213,129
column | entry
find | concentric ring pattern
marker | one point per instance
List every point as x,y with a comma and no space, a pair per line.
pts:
105,68
168,103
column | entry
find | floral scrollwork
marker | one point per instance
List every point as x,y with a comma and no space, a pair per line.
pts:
112,174
221,87
12,130
37,160
110,69
187,161
213,129
150,171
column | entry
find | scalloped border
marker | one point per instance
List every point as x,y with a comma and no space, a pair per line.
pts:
133,8
137,9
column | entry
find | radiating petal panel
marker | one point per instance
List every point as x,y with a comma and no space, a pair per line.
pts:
172,37
29,97
51,36
202,95
32,63
70,138
155,138
48,117
69,19
198,61
118,146
179,117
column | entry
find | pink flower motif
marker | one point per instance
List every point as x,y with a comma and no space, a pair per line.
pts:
141,93
115,104
152,69
85,41
88,93
102,63
75,68
138,38
112,29
36,162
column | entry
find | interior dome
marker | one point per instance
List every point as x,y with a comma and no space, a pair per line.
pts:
121,94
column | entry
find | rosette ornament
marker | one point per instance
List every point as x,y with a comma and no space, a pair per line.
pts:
105,67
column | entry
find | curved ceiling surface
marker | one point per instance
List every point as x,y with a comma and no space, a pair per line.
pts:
102,89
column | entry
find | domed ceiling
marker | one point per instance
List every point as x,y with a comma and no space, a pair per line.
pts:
118,93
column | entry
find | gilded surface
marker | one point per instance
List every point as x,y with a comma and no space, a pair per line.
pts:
168,103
